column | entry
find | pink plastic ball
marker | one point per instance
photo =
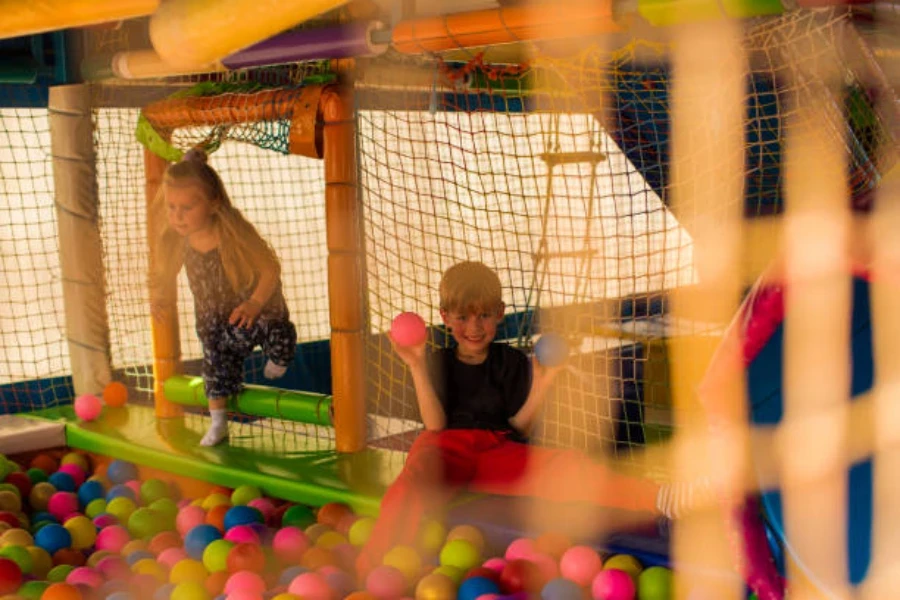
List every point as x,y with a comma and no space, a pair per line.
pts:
188,518
62,504
546,565
386,583
171,556
243,595
408,329
87,407
612,584
495,564
74,471
112,538
264,506
85,576
290,543
326,570
311,586
242,534
135,487
522,548
104,520
489,597
580,564
245,581
113,567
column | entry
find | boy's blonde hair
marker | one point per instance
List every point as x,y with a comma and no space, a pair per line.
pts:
469,287
241,247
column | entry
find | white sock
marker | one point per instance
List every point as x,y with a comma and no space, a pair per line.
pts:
218,429
273,371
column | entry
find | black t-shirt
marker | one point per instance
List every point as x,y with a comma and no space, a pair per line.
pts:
482,396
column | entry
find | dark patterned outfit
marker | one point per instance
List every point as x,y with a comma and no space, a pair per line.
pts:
226,346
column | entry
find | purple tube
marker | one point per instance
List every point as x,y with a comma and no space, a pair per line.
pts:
343,41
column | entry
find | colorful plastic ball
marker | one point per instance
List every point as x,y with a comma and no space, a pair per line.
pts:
330,539
359,532
495,564
164,540
386,582
10,576
62,504
153,489
551,350
113,567
150,567
104,520
59,573
36,476
19,555
286,597
289,544
472,588
188,570
16,537
627,563
655,583
112,538
170,556
32,590
246,557
612,584
298,515
69,556
82,531
198,538
215,555
435,586
44,462
10,501
520,575
115,394
121,508
469,533
331,513
315,530
461,554
189,590
95,507
408,329
580,564
90,491
247,581
265,506
431,536
121,490
61,591
243,494
216,499
520,548
241,515
124,595
562,589
317,557
144,523
10,520
120,471
76,458
62,482
188,518
52,538
242,534
87,407
41,562
455,574
406,560
290,573
21,481
75,472
40,495
85,576
133,557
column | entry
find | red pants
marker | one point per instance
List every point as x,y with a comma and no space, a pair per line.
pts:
440,463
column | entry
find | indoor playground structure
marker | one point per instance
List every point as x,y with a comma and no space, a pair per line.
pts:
693,199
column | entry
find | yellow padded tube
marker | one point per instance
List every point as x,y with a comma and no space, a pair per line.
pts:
25,17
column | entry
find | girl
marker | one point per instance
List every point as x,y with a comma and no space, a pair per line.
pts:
235,278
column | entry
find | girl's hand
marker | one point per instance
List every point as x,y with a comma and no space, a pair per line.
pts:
411,355
245,314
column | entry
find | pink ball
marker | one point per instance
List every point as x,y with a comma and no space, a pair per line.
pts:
290,543
612,584
74,471
495,564
88,407
62,504
386,583
311,586
326,570
135,487
546,565
489,597
242,534
580,564
522,548
84,576
104,520
408,329
171,556
112,538
188,518
264,506
245,581
113,567
243,595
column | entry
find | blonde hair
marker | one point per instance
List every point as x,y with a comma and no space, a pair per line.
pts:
470,287
241,247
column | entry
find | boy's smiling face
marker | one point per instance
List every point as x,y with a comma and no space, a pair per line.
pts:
473,330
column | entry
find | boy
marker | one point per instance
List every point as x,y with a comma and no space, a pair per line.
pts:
478,402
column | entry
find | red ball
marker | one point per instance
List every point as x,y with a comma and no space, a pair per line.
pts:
21,481
408,329
10,576
8,517
483,572
331,513
246,557
520,575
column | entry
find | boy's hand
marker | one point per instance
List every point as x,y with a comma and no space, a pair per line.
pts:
543,376
411,355
245,314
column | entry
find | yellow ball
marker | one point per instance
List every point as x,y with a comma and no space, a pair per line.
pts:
406,560
436,586
330,539
76,458
453,573
121,508
133,546
627,563
95,507
286,597
10,501
16,537
468,533
432,536
187,570
41,562
315,530
148,566
189,590
461,554
360,531
40,495
83,532
215,499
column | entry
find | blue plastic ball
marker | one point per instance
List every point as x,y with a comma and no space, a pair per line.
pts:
63,482
137,555
562,589
473,587
53,537
43,516
198,538
551,350
120,471
89,491
242,515
119,490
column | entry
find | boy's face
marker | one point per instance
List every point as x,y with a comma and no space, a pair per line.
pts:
474,330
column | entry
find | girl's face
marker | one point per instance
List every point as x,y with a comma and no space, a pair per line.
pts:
473,331
190,210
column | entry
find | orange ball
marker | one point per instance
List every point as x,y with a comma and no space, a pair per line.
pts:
45,462
216,516
68,556
317,557
331,514
164,540
61,591
246,557
115,394
215,582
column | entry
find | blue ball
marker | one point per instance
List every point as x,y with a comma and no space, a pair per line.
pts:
551,350
90,491
291,573
121,490
63,482
137,555
43,516
473,587
120,471
561,589
198,538
242,515
52,538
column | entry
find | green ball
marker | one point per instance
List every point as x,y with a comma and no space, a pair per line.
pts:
298,516
215,555
59,573
8,487
243,494
460,553
121,508
36,475
154,489
95,507
167,511
655,583
627,563
32,590
144,523
18,555
7,467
